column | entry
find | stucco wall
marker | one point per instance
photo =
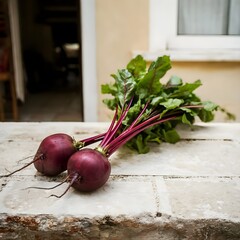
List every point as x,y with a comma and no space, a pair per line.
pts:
221,82
122,27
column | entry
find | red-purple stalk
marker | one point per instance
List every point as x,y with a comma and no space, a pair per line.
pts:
90,140
113,140
112,131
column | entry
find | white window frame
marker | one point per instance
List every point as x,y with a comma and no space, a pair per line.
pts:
163,38
89,65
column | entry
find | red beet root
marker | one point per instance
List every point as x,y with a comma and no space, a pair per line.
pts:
89,168
53,154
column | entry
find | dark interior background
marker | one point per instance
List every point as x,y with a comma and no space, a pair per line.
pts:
51,46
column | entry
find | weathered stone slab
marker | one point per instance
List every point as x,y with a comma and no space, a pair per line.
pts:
116,198
204,198
185,158
224,131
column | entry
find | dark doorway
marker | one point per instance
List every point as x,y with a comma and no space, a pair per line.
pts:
51,49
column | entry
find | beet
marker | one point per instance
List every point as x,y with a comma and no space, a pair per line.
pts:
53,154
89,168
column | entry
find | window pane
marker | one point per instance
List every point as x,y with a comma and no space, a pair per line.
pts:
203,17
234,17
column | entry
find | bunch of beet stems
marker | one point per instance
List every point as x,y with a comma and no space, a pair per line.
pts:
113,140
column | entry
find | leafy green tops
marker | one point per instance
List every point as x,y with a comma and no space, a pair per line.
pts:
154,108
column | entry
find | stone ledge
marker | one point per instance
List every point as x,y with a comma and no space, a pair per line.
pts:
144,227
189,190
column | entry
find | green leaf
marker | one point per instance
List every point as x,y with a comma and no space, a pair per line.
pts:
152,135
171,136
137,66
138,144
229,115
205,115
108,89
185,119
150,84
125,85
160,66
157,100
111,103
172,103
174,81
188,110
141,145
192,112
133,112
209,106
186,89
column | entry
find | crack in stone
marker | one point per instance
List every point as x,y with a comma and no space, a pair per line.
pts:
149,177
156,196
207,139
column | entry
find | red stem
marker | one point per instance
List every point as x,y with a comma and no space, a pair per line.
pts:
93,139
128,131
139,116
112,131
110,127
122,139
134,130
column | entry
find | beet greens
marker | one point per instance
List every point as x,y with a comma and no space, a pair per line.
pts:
156,108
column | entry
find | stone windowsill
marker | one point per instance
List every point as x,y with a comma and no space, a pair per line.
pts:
193,55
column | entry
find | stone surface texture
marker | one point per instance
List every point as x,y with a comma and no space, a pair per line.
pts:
187,190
